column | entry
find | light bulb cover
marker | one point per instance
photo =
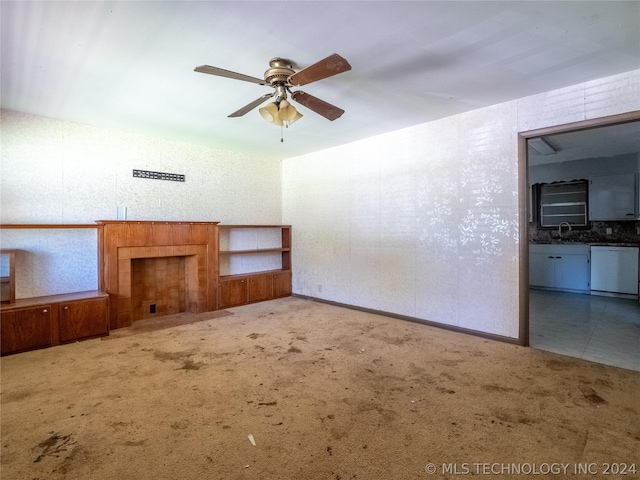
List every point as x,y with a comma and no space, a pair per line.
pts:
297,117
287,111
270,113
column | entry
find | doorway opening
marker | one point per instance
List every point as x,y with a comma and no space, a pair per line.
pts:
568,317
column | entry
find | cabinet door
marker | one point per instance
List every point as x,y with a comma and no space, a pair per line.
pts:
25,329
572,272
259,287
542,270
613,197
233,292
81,319
282,284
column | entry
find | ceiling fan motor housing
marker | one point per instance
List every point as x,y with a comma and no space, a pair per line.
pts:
281,69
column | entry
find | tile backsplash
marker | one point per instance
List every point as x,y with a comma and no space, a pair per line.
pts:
621,232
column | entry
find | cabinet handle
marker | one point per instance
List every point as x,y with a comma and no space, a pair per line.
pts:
45,310
66,308
550,256
558,257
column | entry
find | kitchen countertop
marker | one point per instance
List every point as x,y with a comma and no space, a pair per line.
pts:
592,244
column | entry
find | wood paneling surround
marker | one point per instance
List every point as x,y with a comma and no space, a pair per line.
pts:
121,241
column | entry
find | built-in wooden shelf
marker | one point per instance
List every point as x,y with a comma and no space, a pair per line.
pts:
255,250
253,226
256,286
244,275
47,299
46,225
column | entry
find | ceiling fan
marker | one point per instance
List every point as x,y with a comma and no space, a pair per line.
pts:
281,77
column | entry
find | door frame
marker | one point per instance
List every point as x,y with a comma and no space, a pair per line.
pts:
523,204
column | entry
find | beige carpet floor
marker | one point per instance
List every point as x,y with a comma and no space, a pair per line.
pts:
323,392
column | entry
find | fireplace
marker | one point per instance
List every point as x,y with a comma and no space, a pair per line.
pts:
133,261
158,286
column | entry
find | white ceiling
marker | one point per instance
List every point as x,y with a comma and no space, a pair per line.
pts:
129,65
601,142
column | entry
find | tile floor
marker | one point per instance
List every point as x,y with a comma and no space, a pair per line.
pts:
600,329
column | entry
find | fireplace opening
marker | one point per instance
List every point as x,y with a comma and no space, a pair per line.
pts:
158,286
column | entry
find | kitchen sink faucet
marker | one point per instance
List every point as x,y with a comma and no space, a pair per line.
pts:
560,227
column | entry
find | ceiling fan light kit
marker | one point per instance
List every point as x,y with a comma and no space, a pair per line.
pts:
280,114
281,77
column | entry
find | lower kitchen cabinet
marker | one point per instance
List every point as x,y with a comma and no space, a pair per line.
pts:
235,290
560,267
38,322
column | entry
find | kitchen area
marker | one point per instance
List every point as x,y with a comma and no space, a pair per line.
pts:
584,244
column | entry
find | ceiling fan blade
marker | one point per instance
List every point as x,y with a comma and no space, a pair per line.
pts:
332,65
227,73
328,111
251,106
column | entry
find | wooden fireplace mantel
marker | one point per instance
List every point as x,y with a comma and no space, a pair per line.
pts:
121,241
152,222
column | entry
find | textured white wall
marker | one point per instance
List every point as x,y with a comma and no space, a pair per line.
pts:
424,221
49,262
62,172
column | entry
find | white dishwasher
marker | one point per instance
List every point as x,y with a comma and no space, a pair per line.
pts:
614,270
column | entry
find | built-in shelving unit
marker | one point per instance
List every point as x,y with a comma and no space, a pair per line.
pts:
255,263
39,322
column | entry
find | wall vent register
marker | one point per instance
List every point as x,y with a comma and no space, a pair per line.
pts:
173,177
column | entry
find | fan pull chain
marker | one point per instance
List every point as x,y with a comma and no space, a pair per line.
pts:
281,139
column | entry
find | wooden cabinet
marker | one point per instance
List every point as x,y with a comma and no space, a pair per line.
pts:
32,323
259,288
233,292
255,263
560,267
83,319
281,284
238,290
26,329
613,197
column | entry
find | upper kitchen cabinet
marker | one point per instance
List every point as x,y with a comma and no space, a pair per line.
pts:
563,202
613,197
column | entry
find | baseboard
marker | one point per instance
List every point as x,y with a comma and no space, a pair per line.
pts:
444,326
628,296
